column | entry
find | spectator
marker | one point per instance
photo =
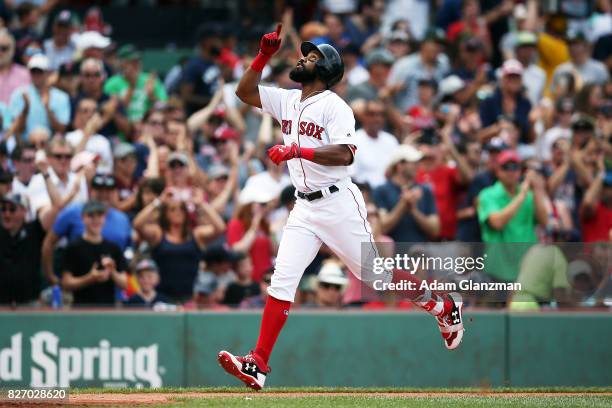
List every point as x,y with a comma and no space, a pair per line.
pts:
219,261
113,114
408,209
43,105
468,228
12,75
69,224
508,212
353,70
205,294
429,61
148,280
336,35
330,281
175,246
138,90
68,79
507,101
446,181
28,16
421,115
200,74
23,161
377,145
55,171
596,208
564,109
379,64
148,190
398,43
20,241
472,24
534,77
93,266
258,301
86,123
249,231
125,175
6,181
60,48
244,287
590,71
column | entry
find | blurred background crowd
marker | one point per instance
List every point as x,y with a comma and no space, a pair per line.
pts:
131,175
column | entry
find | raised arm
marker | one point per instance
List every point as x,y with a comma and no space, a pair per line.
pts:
247,90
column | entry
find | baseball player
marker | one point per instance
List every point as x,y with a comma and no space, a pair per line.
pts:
318,130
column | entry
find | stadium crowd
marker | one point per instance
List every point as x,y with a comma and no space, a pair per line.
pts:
478,121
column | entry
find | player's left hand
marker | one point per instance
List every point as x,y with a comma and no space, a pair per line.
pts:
281,153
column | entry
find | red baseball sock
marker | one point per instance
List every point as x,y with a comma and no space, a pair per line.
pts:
432,302
274,317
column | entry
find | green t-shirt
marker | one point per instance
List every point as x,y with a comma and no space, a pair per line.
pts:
505,248
140,102
543,269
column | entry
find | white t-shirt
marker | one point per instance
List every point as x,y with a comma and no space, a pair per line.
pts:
319,120
96,144
265,182
373,158
37,190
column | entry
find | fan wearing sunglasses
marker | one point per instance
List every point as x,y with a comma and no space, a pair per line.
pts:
508,212
20,242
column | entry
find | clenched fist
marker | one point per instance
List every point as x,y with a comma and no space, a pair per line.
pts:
281,153
270,43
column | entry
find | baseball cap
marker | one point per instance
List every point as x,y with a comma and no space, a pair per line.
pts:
39,61
63,18
451,84
575,36
128,52
218,170
92,39
226,133
68,68
178,156
252,194
520,12
398,35
17,199
146,265
379,56
526,38
428,81
221,253
511,67
122,150
580,121
82,159
331,272
103,181
565,105
435,34
508,156
496,145
405,152
206,283
93,206
287,195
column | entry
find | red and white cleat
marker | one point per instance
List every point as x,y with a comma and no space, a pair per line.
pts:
246,368
451,324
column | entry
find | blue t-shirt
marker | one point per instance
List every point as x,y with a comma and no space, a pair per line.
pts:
59,103
202,74
116,229
407,230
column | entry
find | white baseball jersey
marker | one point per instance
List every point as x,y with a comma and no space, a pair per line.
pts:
319,120
339,219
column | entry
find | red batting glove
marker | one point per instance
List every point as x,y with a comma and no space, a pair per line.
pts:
269,44
281,153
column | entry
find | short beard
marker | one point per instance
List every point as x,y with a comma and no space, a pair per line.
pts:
302,76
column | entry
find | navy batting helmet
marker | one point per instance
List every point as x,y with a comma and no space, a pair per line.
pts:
330,68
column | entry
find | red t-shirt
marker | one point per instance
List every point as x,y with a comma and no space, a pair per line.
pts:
260,252
445,184
597,228
421,118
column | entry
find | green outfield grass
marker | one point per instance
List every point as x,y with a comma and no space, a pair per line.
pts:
374,397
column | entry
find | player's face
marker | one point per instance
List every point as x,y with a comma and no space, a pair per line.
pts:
304,71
